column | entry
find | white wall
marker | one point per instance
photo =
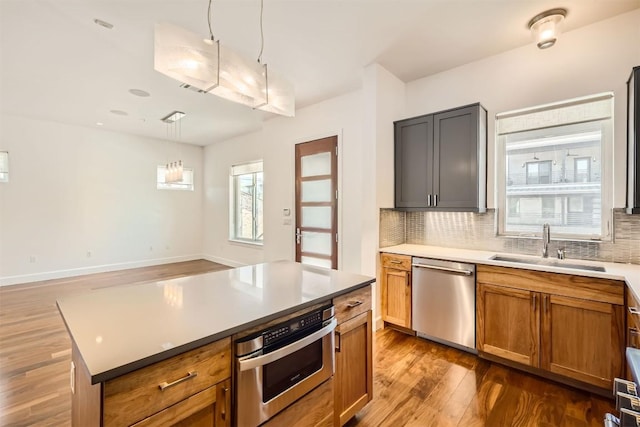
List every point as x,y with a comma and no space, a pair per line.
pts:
274,143
76,189
593,59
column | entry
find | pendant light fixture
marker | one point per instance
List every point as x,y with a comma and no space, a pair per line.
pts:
211,67
174,170
545,27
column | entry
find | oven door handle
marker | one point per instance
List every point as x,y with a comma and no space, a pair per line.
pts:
254,362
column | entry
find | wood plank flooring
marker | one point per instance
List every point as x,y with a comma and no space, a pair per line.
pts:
35,349
422,383
416,382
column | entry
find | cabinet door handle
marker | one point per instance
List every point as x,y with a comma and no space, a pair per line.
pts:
353,304
534,302
395,261
435,200
338,342
165,385
223,412
428,199
634,310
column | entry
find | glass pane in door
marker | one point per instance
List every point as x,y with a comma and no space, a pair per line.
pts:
316,164
316,216
317,243
316,191
318,262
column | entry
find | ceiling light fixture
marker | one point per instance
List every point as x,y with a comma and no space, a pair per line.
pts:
213,68
173,170
545,27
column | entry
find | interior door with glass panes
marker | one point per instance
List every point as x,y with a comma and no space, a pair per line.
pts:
317,202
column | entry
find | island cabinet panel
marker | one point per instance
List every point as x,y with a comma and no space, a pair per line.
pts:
395,289
142,393
535,319
353,387
315,409
208,408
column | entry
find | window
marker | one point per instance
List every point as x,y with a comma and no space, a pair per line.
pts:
538,172
246,205
185,184
4,166
554,164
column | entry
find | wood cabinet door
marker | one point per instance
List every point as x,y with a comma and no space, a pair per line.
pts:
209,408
508,323
582,339
353,387
413,161
396,297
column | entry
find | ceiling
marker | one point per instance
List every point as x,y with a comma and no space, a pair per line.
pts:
57,64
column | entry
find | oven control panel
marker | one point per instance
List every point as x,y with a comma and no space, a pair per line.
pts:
284,330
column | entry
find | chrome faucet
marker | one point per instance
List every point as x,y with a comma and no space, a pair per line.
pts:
546,239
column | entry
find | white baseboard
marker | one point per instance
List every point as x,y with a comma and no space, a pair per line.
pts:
59,274
225,261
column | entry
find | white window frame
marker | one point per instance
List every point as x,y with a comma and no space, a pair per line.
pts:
185,185
4,166
248,168
606,167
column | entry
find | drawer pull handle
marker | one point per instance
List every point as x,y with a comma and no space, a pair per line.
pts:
395,261
166,385
353,304
634,310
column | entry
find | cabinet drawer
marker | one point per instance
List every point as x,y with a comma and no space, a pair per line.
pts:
351,304
399,262
139,394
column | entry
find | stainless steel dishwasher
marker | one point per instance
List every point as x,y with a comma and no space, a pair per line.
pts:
444,302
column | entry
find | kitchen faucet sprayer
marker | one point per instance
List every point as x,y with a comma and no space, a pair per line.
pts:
546,239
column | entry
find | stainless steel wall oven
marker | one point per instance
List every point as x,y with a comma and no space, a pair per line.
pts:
277,366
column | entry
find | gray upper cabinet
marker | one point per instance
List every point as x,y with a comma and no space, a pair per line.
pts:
441,160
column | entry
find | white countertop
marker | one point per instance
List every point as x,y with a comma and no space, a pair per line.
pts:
630,273
118,330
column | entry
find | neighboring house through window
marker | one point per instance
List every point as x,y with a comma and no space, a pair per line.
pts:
246,203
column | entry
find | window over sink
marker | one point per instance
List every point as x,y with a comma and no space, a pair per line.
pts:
554,165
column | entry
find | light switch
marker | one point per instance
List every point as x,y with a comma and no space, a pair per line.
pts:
286,212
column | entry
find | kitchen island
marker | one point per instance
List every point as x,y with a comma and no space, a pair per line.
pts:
121,331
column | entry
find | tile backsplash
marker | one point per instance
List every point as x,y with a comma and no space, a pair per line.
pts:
467,230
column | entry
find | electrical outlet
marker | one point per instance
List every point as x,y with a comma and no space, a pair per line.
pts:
89,254
150,248
32,258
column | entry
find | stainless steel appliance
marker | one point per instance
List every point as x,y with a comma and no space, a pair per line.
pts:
277,366
626,395
443,302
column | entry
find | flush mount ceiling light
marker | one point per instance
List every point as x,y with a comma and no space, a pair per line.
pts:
545,27
213,68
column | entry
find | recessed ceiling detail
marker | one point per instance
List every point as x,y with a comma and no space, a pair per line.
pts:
139,92
119,112
104,24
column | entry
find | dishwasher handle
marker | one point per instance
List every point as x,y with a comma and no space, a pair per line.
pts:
447,269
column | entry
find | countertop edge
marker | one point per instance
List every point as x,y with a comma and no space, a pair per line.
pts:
167,354
482,257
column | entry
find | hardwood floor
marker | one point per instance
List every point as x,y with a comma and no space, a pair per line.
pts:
421,383
416,382
35,349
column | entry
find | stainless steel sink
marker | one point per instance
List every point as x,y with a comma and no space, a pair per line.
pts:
549,262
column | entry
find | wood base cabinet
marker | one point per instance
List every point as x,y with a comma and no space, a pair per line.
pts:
353,385
395,282
190,389
568,326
